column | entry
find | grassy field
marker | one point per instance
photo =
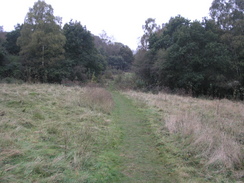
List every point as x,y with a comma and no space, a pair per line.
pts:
53,133
209,134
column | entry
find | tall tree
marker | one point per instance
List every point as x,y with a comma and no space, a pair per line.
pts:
118,55
41,41
186,55
126,53
11,41
229,15
149,28
81,52
9,59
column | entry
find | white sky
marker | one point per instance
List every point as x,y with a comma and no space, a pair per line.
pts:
122,19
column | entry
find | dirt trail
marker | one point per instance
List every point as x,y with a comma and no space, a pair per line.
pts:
140,159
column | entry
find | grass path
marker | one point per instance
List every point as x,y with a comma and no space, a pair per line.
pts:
140,160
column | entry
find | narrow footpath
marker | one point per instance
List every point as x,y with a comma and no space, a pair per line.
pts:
140,160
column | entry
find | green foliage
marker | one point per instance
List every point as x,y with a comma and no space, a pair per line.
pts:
194,60
12,67
117,55
11,40
126,80
201,58
3,52
79,41
41,41
188,55
81,53
149,28
2,55
127,55
115,61
49,54
229,16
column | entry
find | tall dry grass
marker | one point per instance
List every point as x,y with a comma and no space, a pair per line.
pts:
97,99
212,129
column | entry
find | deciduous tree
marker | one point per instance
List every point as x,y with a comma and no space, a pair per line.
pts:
80,50
186,55
149,28
229,15
11,40
41,41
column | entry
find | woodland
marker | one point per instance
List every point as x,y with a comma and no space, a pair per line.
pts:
79,107
199,58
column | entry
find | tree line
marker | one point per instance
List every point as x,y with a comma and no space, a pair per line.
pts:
200,57
40,50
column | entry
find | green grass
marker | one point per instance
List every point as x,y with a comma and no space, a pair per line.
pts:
140,161
144,155
46,135
52,133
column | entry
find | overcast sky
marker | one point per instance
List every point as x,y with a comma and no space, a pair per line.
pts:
122,19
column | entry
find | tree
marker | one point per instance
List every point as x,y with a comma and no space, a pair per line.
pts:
2,49
149,28
116,62
11,40
106,38
41,41
9,61
186,55
142,66
2,35
80,50
117,55
127,55
3,54
229,15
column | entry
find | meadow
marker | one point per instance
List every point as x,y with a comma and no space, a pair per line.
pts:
55,133
209,133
